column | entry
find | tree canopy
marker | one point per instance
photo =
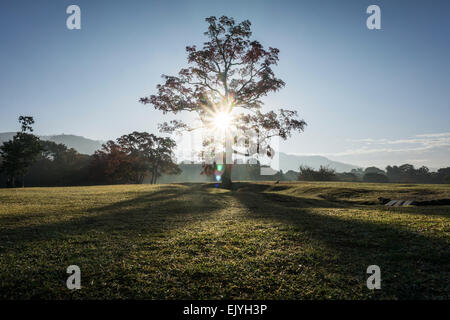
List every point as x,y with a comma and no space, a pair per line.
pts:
224,84
133,157
19,154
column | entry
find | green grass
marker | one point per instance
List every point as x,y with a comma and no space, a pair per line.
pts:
258,241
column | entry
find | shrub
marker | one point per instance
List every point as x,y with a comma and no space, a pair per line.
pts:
375,177
323,174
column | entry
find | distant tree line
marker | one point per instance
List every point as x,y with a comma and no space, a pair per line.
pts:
323,174
28,161
140,156
405,173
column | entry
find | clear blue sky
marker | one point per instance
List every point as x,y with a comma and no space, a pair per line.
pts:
369,96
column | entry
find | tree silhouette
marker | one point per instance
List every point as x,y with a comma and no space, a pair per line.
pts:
150,153
227,78
20,153
133,157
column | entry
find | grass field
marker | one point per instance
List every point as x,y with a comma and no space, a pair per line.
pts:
258,241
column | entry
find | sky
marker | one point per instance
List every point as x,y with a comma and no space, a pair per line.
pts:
370,97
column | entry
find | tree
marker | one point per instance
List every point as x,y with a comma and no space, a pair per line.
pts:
406,173
161,158
358,172
149,154
223,85
20,153
57,165
112,165
374,170
443,175
347,176
375,177
133,157
323,174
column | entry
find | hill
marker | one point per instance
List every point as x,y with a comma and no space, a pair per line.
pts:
81,144
293,162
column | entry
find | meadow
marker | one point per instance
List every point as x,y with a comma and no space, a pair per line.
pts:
301,240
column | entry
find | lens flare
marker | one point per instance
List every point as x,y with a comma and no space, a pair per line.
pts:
219,116
222,120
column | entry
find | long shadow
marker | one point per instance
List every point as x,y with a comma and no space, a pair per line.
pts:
304,202
403,255
98,240
414,266
149,212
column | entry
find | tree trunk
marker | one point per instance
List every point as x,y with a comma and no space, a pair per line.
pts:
23,181
226,176
156,175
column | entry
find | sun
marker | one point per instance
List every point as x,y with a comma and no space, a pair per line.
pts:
219,116
222,120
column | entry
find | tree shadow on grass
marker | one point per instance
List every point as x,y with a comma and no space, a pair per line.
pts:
148,212
112,244
137,231
413,266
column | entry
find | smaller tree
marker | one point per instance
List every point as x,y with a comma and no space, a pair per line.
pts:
443,175
347,176
359,172
323,174
20,153
375,177
406,173
161,158
149,154
112,165
374,170
57,165
133,157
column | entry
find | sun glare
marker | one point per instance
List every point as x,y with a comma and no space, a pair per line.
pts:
222,120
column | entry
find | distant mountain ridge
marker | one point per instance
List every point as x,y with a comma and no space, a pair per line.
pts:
293,162
81,144
287,161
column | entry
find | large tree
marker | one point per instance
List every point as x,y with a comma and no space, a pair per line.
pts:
20,153
224,84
